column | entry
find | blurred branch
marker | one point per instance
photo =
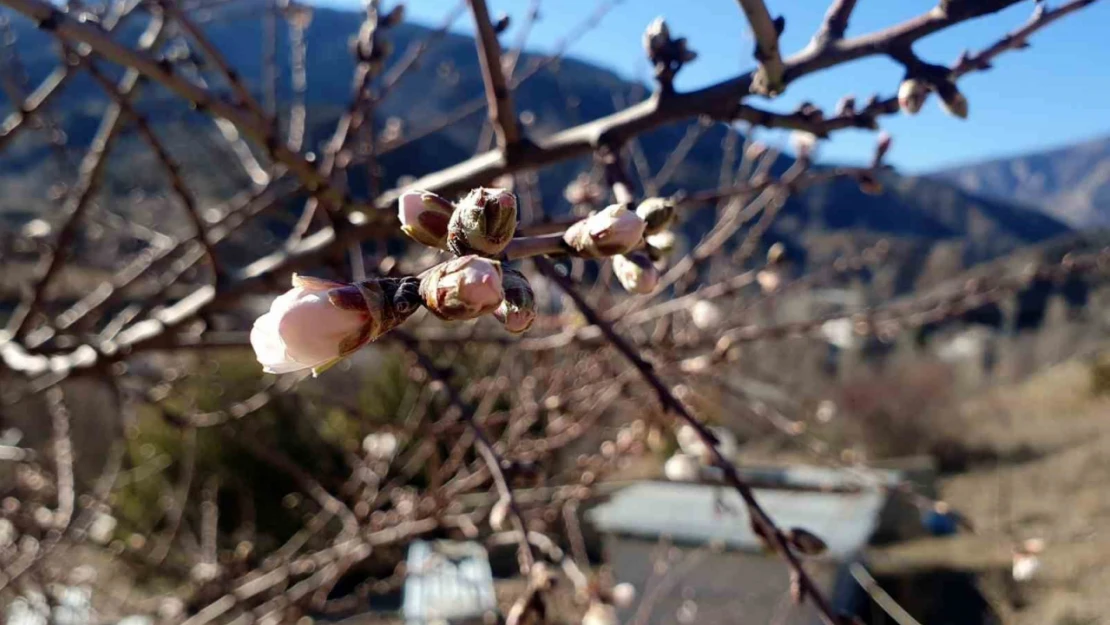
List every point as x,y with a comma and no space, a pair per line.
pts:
835,23
761,521
481,442
498,97
768,80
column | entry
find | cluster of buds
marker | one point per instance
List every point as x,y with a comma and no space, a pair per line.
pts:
913,92
319,322
476,229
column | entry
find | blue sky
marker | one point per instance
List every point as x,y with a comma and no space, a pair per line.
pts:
1054,93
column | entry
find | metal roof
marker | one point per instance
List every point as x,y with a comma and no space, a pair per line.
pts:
690,513
447,580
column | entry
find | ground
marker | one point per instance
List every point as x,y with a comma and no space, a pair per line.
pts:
1049,480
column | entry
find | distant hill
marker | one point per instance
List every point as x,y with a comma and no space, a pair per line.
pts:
1071,183
922,210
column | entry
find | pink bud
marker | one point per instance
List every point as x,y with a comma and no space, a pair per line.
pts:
611,231
424,217
314,323
463,288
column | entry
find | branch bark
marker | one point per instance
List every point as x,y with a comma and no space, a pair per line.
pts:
498,98
769,78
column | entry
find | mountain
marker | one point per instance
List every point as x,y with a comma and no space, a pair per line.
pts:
569,92
1071,183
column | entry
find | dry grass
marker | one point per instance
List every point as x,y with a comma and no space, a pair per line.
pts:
1052,439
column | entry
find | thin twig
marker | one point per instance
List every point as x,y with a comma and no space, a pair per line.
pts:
499,99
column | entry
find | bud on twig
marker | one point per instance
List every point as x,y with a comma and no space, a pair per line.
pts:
952,100
706,315
518,309
623,595
911,95
661,243
804,144
425,217
600,613
462,288
682,468
318,322
483,222
776,254
613,230
667,55
658,214
805,542
636,273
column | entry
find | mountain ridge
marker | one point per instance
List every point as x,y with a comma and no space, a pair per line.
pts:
1069,182
567,93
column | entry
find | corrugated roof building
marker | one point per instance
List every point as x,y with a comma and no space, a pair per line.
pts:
690,549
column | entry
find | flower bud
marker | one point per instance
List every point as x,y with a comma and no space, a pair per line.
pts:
769,280
600,613
636,273
483,222
518,308
706,315
776,254
682,468
424,217
623,595
953,101
463,288
658,214
613,230
911,95
804,144
318,322
662,243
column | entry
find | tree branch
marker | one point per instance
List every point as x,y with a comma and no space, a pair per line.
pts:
498,98
768,79
835,23
760,520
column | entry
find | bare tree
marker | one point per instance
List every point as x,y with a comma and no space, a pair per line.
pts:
454,453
